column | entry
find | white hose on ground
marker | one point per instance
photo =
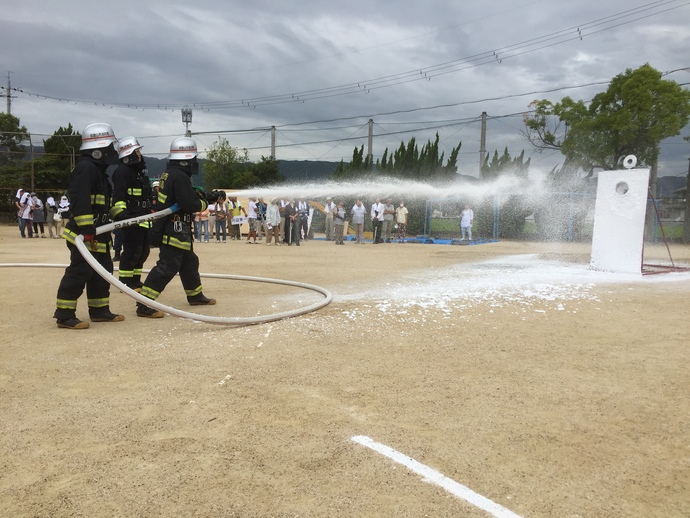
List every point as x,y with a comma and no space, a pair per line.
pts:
238,321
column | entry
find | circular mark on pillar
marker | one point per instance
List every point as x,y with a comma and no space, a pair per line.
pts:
622,188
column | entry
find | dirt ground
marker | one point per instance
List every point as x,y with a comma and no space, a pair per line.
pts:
546,403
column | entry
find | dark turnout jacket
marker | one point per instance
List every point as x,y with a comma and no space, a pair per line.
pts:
131,194
89,192
176,187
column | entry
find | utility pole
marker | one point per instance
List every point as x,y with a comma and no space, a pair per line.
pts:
273,142
482,144
187,119
651,219
72,158
8,95
31,144
370,152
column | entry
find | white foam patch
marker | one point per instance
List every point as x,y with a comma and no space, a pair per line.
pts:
524,280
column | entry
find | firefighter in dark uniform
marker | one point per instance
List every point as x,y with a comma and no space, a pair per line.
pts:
173,234
132,198
89,192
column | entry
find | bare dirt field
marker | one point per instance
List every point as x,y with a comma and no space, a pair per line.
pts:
508,367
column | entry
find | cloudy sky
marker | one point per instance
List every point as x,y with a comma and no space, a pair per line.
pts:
319,70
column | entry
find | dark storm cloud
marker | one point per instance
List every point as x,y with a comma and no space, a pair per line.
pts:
167,54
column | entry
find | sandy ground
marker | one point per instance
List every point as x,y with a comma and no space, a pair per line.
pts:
509,367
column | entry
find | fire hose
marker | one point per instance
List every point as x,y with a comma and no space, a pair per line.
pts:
236,321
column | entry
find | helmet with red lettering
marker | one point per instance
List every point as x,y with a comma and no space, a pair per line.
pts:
183,148
99,143
98,135
128,145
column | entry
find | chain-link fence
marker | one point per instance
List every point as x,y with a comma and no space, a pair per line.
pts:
553,216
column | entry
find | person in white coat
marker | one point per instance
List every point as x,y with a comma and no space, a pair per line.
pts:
26,210
466,219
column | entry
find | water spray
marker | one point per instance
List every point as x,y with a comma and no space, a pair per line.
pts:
384,187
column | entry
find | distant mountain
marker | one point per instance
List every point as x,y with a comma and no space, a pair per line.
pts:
155,166
306,170
292,170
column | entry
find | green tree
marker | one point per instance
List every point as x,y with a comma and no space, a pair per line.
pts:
266,172
637,111
11,137
13,171
52,170
407,162
510,212
339,172
359,167
225,167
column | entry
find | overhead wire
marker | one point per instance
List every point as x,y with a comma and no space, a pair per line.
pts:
426,73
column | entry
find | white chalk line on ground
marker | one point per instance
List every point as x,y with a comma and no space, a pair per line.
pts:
434,477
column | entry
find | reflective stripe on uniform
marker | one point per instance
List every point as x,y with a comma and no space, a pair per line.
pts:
98,303
172,241
98,199
116,209
150,293
66,304
195,291
84,220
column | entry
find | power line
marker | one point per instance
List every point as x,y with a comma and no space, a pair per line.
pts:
495,55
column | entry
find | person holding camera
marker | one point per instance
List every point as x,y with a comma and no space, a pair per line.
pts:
53,223
377,220
220,208
292,223
303,218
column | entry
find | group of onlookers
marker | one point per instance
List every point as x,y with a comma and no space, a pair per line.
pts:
214,220
282,220
388,221
221,220
287,220
33,215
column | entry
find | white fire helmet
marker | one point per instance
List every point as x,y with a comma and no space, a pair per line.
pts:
128,145
183,148
98,135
